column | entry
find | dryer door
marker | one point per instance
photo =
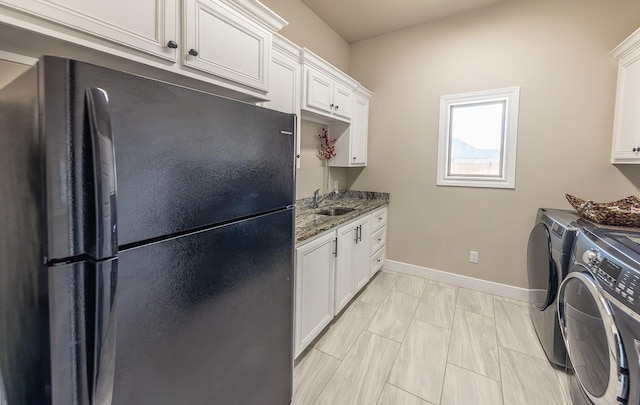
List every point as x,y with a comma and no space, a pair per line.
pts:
541,267
592,339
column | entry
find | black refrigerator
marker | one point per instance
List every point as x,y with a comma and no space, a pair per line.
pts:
146,242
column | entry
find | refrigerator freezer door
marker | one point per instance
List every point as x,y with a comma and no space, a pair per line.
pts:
206,318
185,159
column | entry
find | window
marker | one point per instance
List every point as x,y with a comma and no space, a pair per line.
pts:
478,135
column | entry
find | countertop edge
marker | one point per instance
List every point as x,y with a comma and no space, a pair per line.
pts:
310,225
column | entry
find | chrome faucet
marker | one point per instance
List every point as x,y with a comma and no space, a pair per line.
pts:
317,199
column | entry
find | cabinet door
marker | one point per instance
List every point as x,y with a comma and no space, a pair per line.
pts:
626,131
319,91
146,25
345,284
314,289
220,41
359,131
342,97
362,253
284,90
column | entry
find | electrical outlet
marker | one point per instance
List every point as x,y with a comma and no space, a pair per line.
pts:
335,184
473,256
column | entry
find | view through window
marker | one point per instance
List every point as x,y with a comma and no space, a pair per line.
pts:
478,135
477,139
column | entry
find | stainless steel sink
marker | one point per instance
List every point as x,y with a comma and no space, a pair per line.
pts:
334,212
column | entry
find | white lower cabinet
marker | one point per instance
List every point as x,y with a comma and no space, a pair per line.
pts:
345,279
362,252
330,270
352,261
315,262
378,240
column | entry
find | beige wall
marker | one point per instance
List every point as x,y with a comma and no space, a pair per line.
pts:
306,29
558,52
313,172
9,71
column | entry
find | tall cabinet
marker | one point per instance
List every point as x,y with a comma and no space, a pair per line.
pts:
284,82
626,122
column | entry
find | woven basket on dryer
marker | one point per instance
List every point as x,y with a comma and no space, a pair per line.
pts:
625,212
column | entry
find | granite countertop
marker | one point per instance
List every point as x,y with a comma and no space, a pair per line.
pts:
309,223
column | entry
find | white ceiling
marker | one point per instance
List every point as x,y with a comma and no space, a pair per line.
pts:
355,20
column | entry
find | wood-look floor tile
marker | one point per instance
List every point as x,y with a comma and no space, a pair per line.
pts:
515,330
512,301
443,284
464,387
475,301
378,288
437,305
411,285
419,368
394,316
527,380
360,378
392,395
564,385
474,345
311,375
340,336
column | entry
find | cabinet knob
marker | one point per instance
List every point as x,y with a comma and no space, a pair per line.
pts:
354,158
331,106
337,106
172,44
298,156
193,52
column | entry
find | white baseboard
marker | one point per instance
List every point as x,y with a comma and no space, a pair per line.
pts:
503,290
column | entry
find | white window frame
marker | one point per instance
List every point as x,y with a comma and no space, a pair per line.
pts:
509,95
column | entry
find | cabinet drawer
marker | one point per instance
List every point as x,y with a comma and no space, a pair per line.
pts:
377,260
378,219
378,240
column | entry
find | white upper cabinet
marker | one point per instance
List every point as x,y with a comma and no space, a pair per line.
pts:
145,25
220,41
284,82
327,92
626,123
351,141
223,42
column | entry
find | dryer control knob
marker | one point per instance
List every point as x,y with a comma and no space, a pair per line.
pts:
591,257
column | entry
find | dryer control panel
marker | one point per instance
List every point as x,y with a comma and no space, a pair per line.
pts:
608,266
619,281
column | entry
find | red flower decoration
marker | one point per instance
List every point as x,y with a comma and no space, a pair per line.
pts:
327,150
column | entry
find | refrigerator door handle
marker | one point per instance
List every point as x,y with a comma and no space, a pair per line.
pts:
104,173
105,332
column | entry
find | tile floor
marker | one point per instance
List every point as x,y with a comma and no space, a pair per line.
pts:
406,340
